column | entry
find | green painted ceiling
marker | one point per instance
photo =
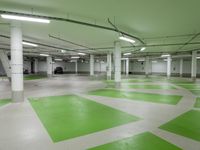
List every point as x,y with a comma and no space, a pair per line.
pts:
142,18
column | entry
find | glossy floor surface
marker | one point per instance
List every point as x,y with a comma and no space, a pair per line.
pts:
61,113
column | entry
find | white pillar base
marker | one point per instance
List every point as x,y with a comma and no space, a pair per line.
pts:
17,96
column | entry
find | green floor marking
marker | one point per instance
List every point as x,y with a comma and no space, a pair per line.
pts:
197,104
156,98
190,86
70,116
34,77
144,141
4,101
187,125
164,87
195,92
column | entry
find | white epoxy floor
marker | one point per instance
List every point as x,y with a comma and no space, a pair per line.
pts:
21,129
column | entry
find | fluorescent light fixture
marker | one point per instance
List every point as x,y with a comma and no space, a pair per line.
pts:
83,54
126,39
30,44
75,57
63,51
142,59
58,59
25,18
46,55
126,54
143,48
154,61
198,57
165,55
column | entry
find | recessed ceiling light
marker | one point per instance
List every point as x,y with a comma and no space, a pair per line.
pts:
165,55
58,59
30,44
143,48
126,54
83,54
126,39
24,18
46,55
63,51
75,57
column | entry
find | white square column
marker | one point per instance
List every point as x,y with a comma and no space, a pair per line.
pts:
117,58
17,80
35,65
91,65
49,66
194,65
127,66
147,66
109,66
181,67
169,60
76,66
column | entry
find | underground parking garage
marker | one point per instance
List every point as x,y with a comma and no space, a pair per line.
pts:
99,75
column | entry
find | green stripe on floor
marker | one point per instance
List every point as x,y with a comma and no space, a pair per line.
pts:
34,77
197,104
187,124
70,116
164,87
190,86
144,141
4,101
156,98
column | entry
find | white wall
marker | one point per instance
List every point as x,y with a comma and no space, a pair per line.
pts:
159,67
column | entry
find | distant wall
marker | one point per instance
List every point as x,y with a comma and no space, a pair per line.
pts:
135,67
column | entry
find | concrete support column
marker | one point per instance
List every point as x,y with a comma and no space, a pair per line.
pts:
117,58
17,80
49,66
91,65
147,65
127,67
169,60
194,65
6,63
76,66
181,67
109,66
35,65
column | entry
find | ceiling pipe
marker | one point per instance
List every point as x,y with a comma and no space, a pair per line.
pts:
150,45
188,42
41,44
60,39
72,21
